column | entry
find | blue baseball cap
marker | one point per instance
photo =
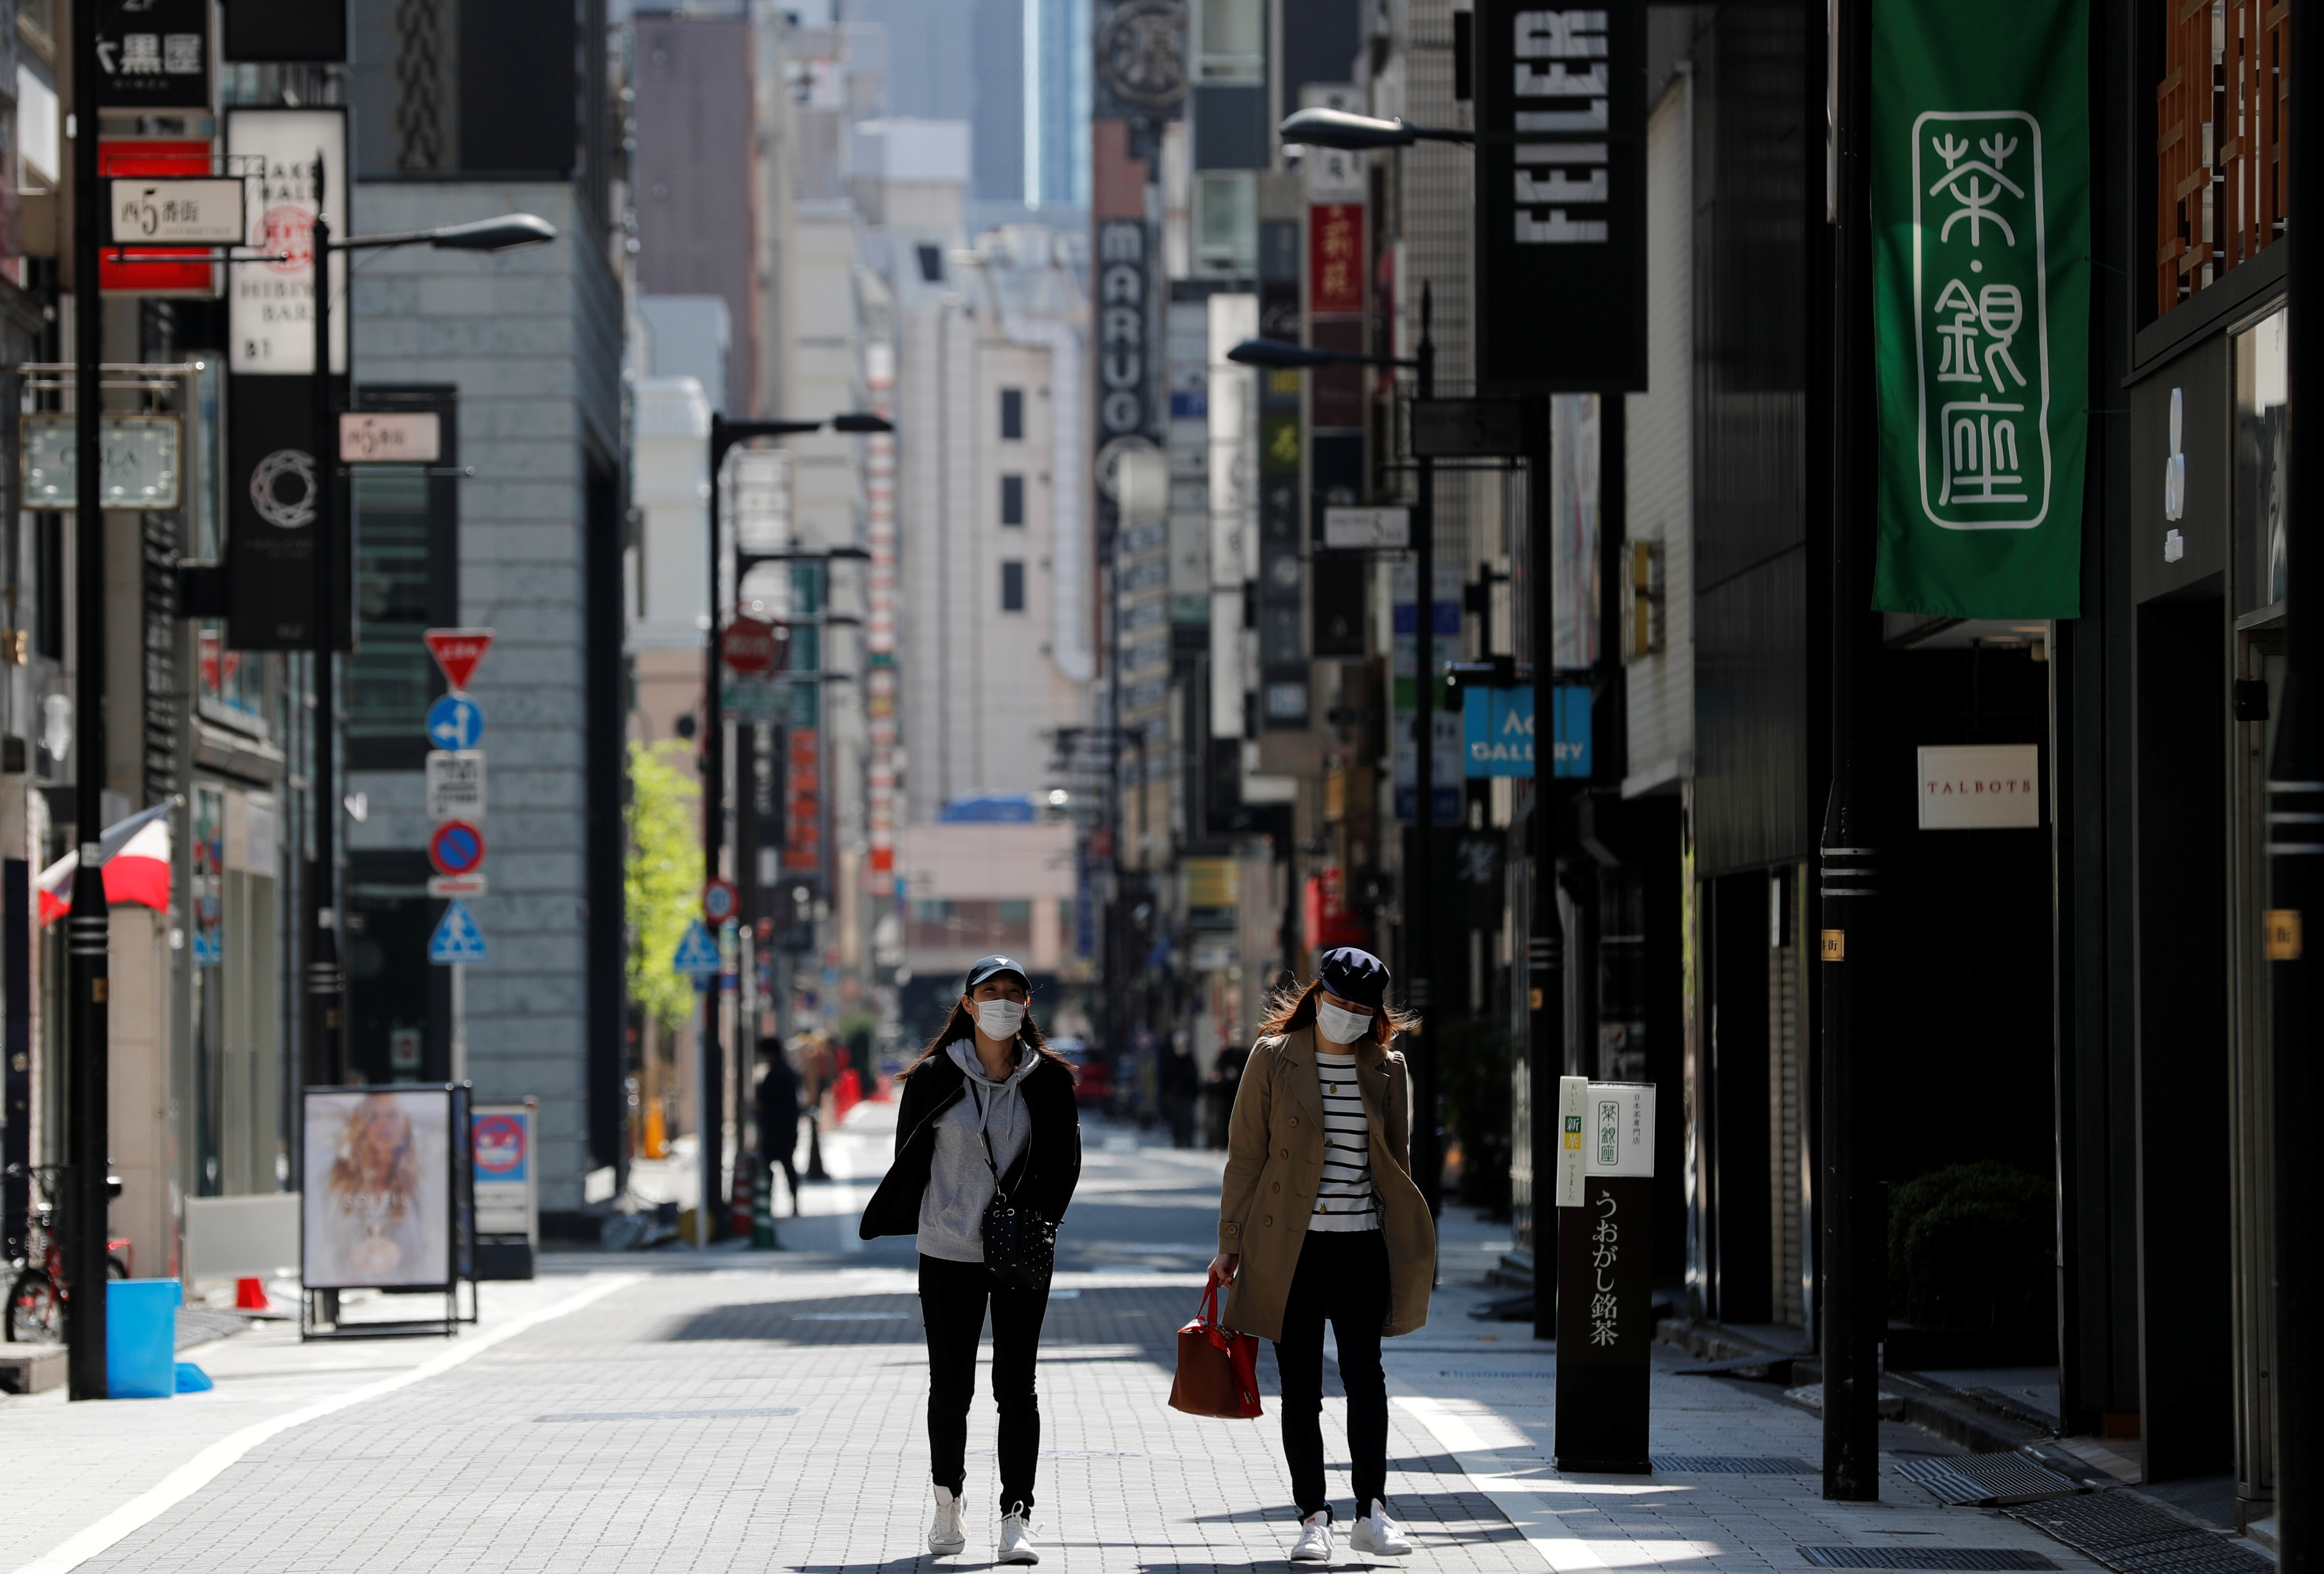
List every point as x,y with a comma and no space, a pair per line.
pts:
1354,974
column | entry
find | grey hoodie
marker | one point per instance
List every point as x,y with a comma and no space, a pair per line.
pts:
960,1181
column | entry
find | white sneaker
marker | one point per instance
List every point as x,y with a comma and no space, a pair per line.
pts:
1017,1539
1375,1532
1314,1543
945,1534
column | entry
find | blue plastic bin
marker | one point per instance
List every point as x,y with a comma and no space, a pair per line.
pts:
141,1338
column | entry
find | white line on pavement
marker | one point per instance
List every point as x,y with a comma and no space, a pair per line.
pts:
205,1467
1471,1433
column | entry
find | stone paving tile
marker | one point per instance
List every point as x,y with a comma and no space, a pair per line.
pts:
555,1451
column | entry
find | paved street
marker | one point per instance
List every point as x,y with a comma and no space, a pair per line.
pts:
679,1410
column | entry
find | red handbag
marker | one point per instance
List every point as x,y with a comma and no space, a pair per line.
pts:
1218,1369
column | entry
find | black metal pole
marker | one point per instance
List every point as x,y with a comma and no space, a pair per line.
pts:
88,1079
1546,947
710,1066
326,987
1851,1280
2295,820
1419,902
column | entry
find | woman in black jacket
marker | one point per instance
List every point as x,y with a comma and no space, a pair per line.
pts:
987,1105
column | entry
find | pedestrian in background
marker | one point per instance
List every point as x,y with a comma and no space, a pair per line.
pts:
1318,1221
987,1106
779,1114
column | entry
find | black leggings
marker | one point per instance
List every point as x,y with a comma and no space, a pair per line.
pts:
952,1297
1342,1279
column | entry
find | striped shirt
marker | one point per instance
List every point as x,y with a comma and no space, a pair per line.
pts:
1345,1201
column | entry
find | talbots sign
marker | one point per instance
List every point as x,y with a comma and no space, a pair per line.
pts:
1980,787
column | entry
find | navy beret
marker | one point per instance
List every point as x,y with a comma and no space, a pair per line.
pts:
1354,974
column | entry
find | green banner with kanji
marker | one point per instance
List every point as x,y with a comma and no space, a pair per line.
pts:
1981,243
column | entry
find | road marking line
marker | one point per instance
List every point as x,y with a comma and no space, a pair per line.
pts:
207,1465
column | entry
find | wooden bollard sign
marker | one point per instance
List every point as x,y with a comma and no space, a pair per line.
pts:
1605,1274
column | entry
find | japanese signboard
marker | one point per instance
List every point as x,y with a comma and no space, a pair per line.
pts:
1560,198
1980,220
153,54
187,207
1605,1274
271,324
455,784
803,803
132,165
373,438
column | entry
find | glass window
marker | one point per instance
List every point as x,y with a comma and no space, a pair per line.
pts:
1012,587
1226,229
1012,414
2261,456
1012,499
1233,40
232,682
389,676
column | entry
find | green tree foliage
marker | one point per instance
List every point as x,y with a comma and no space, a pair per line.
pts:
663,884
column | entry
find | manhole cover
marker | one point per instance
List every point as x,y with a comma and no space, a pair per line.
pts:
1993,1479
664,1414
1732,1465
1923,1558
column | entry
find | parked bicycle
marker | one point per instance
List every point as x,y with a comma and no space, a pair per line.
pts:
38,1298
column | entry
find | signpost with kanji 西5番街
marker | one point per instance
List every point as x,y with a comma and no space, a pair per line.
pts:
1604,1170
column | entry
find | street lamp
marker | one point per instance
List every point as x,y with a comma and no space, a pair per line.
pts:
724,437
1320,126
326,983
1350,133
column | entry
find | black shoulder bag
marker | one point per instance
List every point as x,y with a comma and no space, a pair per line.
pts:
1020,1246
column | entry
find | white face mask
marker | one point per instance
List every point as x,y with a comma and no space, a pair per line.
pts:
1340,1025
999,1019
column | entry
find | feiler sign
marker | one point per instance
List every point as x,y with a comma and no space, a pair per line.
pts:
1560,198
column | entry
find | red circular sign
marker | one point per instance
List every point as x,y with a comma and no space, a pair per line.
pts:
458,847
750,645
720,902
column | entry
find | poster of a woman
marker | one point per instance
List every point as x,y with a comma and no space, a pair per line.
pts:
378,1196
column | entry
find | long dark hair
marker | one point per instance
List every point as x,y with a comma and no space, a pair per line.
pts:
1292,1007
961,1024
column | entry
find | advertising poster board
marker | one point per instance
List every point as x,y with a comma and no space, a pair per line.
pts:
508,1188
387,1193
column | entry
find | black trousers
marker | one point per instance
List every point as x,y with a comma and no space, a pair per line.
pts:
952,1300
1343,1280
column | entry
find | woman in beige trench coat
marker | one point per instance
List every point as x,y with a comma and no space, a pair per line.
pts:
1318,1221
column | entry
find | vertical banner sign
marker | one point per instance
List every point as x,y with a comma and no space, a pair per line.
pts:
271,323
1980,215
803,812
1560,198
1605,1274
272,485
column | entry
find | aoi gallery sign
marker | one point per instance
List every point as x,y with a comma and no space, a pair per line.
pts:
1980,215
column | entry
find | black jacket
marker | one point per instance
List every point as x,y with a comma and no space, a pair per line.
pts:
1044,1175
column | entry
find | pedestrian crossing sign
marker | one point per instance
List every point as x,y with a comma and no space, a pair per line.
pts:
457,939
697,953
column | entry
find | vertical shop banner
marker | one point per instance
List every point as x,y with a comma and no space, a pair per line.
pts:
273,484
1981,237
270,322
803,809
1560,198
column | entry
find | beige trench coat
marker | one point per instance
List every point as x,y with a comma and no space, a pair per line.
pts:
1275,1156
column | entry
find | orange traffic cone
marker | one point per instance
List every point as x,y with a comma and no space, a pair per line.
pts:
250,1295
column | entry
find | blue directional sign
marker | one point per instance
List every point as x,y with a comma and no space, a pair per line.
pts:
457,939
456,722
697,953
